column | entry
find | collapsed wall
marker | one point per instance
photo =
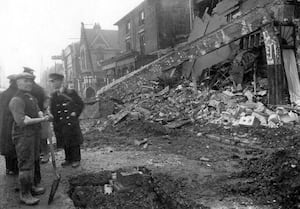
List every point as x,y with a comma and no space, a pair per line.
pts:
217,38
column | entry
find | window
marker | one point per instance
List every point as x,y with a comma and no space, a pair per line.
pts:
128,45
230,17
83,59
251,41
142,42
128,27
142,17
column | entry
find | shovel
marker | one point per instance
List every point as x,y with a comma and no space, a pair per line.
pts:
56,181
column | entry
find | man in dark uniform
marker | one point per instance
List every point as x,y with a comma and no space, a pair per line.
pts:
26,137
66,107
7,147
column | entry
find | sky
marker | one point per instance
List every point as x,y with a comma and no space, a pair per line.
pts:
34,30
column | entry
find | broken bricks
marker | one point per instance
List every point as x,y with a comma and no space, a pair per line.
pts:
249,121
175,107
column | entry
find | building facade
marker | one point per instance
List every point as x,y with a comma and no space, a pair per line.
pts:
150,27
95,46
154,25
71,58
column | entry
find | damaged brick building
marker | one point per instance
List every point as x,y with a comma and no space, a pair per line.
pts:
247,44
232,38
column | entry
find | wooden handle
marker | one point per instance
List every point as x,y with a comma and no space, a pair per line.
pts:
52,154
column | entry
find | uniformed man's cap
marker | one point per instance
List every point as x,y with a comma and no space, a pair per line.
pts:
56,76
12,77
24,75
28,70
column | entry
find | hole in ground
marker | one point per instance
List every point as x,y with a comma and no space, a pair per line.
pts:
131,188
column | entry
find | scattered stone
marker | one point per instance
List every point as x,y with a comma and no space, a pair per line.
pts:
204,159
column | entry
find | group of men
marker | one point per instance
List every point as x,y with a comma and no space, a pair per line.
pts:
23,119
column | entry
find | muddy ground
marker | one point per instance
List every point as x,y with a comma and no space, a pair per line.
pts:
246,166
197,166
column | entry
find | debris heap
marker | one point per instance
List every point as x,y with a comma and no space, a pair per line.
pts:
185,104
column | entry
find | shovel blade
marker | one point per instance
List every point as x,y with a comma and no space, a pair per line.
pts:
54,187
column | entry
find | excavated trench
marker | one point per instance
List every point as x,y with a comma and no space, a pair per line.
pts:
133,188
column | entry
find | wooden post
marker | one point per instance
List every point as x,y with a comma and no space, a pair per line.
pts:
275,68
254,77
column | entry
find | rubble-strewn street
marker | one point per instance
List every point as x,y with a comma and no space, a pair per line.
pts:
237,162
177,104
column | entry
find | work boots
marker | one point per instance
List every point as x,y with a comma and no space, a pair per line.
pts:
25,178
35,190
28,199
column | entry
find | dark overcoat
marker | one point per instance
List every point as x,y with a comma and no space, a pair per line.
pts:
66,127
7,147
39,93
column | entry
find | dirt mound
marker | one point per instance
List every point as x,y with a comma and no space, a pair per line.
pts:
157,191
274,179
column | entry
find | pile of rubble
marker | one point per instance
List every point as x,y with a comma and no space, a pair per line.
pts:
273,179
184,104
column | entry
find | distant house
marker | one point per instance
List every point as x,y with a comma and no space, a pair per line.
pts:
151,26
95,46
71,57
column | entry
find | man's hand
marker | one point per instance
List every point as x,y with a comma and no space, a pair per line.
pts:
73,114
50,117
46,118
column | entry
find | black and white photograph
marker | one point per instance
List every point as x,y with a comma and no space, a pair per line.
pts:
150,104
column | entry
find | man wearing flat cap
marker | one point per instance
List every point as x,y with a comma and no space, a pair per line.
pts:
26,135
7,148
39,93
66,107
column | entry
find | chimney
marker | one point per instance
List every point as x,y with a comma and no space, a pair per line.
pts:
97,27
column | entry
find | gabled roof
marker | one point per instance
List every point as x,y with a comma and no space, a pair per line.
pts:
98,38
112,38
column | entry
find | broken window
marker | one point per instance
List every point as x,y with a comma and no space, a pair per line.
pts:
231,15
287,35
252,41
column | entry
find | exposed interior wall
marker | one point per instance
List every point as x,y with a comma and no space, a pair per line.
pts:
174,22
151,27
210,17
